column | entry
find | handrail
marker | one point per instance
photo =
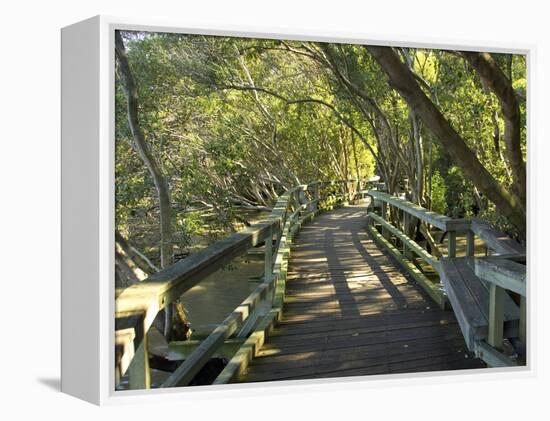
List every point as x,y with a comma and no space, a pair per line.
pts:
250,347
405,257
192,365
138,305
501,271
166,285
442,222
497,241
504,273
409,242
447,224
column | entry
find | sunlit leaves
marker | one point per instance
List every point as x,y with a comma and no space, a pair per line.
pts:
219,145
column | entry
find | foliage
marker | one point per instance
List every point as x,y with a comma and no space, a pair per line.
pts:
439,190
233,122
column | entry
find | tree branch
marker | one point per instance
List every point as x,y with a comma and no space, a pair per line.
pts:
403,81
496,80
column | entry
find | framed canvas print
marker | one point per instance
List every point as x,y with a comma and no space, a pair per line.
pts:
244,208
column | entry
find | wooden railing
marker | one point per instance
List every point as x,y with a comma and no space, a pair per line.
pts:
502,273
138,305
409,248
476,286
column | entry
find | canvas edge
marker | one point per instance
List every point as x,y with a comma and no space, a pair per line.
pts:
80,119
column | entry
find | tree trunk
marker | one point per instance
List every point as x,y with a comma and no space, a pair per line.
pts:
139,259
419,158
497,81
430,172
126,274
403,81
356,161
161,185
127,262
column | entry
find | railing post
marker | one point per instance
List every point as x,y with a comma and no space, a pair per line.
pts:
268,256
297,203
316,196
317,191
470,243
138,370
496,316
301,197
385,232
406,251
451,244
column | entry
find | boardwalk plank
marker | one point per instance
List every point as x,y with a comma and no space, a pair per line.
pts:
350,311
387,357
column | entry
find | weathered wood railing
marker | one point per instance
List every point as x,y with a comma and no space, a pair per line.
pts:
408,210
137,306
475,286
502,273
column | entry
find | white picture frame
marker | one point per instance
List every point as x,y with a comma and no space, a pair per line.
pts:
88,206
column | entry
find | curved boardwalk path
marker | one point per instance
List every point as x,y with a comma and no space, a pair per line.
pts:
350,311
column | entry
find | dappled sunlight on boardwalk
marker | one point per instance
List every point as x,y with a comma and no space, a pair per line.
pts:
350,311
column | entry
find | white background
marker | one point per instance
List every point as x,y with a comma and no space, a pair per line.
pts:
30,196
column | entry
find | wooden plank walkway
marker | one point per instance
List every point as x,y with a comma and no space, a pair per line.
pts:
350,311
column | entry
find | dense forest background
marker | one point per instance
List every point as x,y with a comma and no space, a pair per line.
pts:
210,130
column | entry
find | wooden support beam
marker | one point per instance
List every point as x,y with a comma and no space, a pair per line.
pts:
193,364
316,196
406,228
248,350
491,356
138,371
385,232
259,312
470,243
496,316
451,245
268,256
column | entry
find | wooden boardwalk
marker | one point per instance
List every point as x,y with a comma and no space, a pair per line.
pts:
350,311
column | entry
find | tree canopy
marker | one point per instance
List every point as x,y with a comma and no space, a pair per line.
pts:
210,130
